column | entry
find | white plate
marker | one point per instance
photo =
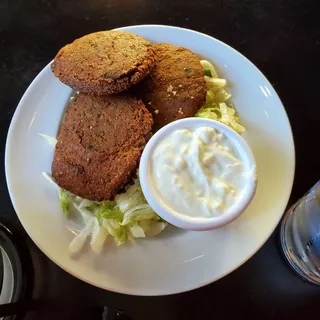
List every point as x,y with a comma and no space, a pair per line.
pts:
177,260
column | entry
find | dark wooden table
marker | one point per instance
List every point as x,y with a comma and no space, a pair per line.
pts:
282,37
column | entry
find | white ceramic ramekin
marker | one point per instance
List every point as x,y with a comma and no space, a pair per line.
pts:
177,218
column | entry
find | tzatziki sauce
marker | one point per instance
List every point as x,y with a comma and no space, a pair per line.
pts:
198,172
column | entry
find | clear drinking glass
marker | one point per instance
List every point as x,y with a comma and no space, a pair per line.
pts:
300,235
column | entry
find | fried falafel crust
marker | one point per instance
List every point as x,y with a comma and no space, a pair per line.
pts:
175,88
105,62
99,144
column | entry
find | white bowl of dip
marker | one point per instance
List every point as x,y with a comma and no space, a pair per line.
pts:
198,174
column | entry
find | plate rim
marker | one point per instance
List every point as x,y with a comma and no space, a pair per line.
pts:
9,144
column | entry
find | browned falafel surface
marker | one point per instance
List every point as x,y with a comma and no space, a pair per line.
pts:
175,88
99,144
105,62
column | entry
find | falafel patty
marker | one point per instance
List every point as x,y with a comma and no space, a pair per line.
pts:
99,144
104,62
175,88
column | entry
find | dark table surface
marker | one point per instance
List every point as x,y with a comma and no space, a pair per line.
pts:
282,37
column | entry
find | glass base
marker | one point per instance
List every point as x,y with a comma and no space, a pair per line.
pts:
299,263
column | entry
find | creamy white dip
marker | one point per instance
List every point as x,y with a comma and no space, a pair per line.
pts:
198,172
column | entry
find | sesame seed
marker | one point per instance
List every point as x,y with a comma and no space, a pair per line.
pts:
174,92
180,85
191,97
149,103
170,88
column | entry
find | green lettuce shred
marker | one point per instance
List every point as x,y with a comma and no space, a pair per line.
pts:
126,218
64,202
217,106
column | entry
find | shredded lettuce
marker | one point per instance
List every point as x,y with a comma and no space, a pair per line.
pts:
152,227
127,218
50,179
106,210
139,213
137,231
207,72
131,198
217,105
85,214
206,65
118,232
85,203
52,141
64,202
78,242
98,236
